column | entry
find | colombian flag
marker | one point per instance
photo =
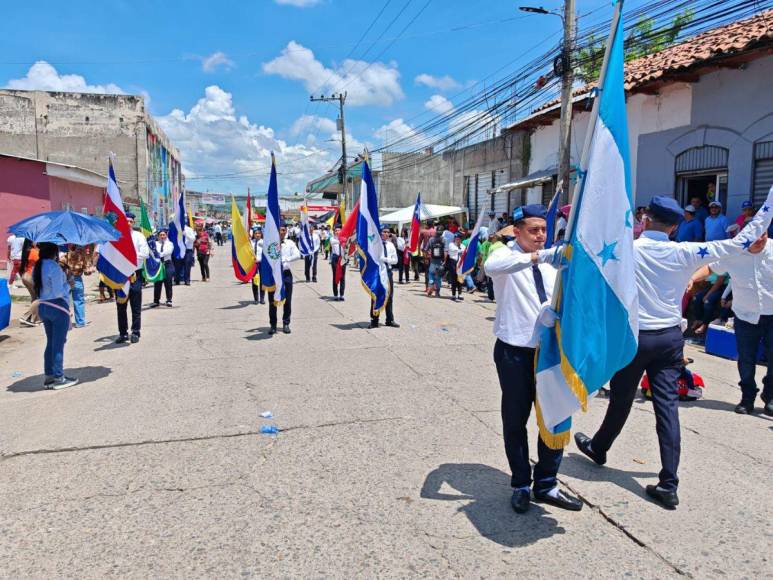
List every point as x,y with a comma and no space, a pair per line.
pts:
242,257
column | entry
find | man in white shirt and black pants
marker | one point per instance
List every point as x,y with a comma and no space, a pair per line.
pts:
290,253
390,260
752,276
187,263
310,261
663,270
135,289
523,283
164,249
338,253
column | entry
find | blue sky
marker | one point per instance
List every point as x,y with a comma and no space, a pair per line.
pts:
230,81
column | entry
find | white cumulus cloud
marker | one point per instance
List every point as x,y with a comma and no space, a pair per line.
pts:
214,140
439,104
216,60
399,130
374,83
298,3
41,76
444,83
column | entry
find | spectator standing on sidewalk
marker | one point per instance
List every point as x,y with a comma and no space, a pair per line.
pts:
15,245
29,257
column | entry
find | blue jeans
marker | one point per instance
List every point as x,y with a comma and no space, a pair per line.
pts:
468,282
705,304
435,279
78,301
57,324
747,339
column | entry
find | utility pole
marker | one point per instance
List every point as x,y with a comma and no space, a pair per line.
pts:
567,79
341,98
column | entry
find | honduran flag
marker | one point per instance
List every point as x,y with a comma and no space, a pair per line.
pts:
177,227
596,333
242,256
370,247
413,240
118,259
305,244
271,263
470,255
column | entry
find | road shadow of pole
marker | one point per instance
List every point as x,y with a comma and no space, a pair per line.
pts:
486,493
83,374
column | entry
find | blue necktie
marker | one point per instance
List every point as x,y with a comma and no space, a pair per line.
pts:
539,283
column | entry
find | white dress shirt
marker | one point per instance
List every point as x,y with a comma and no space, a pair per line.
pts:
140,247
190,236
16,244
316,240
290,253
663,269
257,249
453,251
390,254
518,303
335,246
752,280
400,243
164,249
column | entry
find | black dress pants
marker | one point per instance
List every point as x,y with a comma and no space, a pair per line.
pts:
390,317
515,367
204,265
287,307
661,355
310,266
166,283
135,303
338,289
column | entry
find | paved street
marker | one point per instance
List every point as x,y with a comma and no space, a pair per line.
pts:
389,463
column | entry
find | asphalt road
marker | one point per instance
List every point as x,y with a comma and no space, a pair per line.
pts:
389,462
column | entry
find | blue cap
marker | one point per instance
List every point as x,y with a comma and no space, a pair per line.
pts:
165,230
746,204
535,210
665,209
130,215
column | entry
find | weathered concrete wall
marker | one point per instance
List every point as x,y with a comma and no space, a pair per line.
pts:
82,129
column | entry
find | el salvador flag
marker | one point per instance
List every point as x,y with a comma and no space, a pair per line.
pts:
470,256
305,244
596,333
177,227
370,248
271,263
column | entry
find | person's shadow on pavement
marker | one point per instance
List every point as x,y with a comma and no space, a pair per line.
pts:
486,493
578,466
83,374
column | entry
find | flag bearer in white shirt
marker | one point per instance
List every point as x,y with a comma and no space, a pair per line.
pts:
134,299
390,259
165,249
290,253
523,283
663,270
752,276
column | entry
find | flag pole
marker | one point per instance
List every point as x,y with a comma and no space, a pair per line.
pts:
576,198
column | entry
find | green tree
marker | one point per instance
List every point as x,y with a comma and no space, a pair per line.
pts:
644,39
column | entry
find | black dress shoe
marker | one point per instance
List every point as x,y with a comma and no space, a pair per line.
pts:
562,500
668,499
373,325
393,324
121,339
768,408
135,338
744,408
583,444
272,330
286,329
521,500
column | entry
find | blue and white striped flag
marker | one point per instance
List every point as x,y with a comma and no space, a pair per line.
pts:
305,243
271,263
596,333
470,256
370,248
177,227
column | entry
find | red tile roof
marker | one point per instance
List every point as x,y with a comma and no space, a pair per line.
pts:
710,47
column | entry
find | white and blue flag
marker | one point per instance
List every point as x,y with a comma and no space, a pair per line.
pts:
177,227
466,263
271,264
370,248
305,243
596,333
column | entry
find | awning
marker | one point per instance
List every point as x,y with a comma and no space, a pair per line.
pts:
428,211
536,178
329,181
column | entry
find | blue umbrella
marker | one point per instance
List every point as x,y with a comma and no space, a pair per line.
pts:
65,227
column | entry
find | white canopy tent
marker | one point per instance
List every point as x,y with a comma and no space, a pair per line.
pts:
429,211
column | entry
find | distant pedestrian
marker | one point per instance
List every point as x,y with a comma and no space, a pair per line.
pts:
452,259
258,293
338,255
78,262
218,229
436,249
15,245
51,286
165,249
204,250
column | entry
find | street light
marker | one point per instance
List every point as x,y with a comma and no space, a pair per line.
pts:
539,10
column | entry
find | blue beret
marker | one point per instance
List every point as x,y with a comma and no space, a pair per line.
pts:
130,215
165,230
665,209
535,210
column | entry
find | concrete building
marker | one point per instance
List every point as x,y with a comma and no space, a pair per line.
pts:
464,177
700,120
29,186
82,129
